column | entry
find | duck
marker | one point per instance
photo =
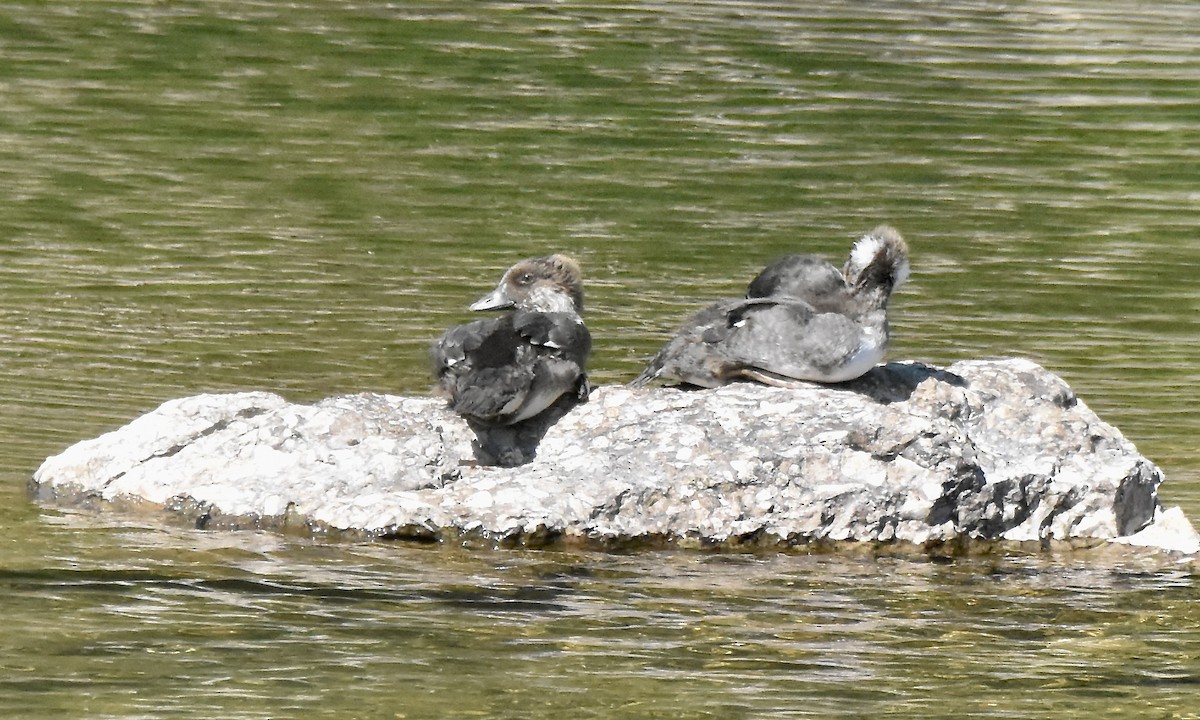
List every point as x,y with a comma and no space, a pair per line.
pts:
506,370
802,320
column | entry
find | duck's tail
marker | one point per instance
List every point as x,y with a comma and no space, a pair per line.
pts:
649,374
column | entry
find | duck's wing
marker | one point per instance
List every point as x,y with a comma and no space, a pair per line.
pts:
562,344
484,368
555,334
759,338
793,340
475,343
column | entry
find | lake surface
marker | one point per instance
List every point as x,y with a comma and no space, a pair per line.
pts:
298,197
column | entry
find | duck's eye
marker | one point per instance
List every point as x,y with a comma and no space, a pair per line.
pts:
525,278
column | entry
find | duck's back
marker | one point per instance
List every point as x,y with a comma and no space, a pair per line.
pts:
803,277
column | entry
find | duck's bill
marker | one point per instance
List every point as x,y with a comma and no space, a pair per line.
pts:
495,300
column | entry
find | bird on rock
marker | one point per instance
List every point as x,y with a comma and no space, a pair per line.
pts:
509,369
802,320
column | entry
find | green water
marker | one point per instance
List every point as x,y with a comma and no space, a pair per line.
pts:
298,197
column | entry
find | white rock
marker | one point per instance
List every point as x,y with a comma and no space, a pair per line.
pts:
983,450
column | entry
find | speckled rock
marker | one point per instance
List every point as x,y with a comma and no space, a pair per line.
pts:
980,451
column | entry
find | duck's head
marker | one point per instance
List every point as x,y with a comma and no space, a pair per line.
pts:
547,284
878,262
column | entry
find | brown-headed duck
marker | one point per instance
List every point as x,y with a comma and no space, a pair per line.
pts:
508,369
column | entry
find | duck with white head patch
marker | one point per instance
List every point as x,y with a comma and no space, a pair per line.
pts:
802,320
524,365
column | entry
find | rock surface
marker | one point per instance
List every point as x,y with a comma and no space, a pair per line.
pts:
980,451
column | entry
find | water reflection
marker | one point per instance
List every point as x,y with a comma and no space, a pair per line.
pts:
710,633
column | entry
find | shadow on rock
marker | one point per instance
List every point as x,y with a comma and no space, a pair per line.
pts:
895,382
516,444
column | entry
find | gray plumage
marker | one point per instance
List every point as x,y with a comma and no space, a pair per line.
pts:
802,320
